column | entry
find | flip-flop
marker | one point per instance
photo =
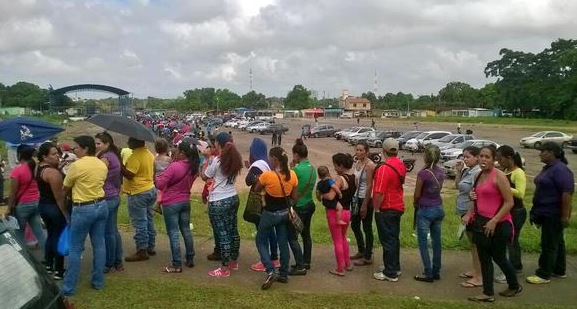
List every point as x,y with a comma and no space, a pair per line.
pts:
482,299
470,285
465,275
336,273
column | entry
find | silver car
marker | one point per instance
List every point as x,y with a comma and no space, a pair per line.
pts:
539,138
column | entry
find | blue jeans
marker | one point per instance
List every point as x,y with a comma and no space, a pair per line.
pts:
28,213
273,243
113,239
142,217
389,229
88,219
429,220
55,223
177,219
277,221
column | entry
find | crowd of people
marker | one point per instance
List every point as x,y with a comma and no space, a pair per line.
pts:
86,197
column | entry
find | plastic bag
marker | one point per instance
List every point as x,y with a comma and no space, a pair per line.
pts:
64,242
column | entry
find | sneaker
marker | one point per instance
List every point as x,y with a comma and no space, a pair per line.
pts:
282,279
219,273
233,265
151,252
258,267
297,271
269,280
501,279
537,280
382,277
119,268
557,276
276,263
511,293
357,256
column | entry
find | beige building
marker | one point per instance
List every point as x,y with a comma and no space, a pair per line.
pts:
354,104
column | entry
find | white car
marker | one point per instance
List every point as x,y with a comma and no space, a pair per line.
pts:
419,141
457,151
451,140
347,135
258,127
538,139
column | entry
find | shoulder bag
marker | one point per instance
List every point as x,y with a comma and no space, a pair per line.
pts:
294,218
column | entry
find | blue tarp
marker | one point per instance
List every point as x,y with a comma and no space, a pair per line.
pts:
27,131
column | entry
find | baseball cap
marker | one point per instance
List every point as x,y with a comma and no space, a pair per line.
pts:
390,144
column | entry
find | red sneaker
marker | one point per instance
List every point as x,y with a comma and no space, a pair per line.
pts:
276,263
233,265
219,273
258,267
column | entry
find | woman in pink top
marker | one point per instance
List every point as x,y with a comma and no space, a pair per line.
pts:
492,226
175,184
24,194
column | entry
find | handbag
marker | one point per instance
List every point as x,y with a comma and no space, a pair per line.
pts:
253,209
64,242
294,218
355,207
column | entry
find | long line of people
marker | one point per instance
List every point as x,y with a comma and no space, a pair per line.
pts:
489,202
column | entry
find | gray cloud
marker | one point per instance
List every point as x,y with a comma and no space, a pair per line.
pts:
161,47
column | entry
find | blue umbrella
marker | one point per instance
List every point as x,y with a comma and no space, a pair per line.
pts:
27,131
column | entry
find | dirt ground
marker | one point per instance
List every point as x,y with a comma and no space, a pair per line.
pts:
322,149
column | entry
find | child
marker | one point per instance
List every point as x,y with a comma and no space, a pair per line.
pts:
325,185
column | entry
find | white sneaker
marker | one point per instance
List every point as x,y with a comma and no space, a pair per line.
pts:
501,279
382,277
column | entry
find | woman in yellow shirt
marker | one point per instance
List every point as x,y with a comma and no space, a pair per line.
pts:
512,165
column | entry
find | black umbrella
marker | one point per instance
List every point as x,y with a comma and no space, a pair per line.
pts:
124,126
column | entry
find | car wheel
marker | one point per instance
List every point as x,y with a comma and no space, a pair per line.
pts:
316,135
378,144
574,150
564,144
460,157
537,145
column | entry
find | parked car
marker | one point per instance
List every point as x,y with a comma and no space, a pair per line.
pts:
380,136
339,134
322,131
419,141
572,145
456,152
257,127
407,136
250,124
346,115
360,130
274,127
450,140
537,139
362,137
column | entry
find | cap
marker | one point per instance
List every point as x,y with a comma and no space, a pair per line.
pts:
65,147
390,144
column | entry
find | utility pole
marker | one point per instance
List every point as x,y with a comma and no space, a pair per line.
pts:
250,77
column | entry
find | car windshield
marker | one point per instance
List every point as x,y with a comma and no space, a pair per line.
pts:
447,138
464,145
539,134
421,135
409,134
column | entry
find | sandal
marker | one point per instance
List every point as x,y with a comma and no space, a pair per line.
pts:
482,299
336,273
466,275
172,270
363,262
469,284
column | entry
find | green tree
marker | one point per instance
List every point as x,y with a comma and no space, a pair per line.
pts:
227,99
459,94
25,94
371,97
254,100
298,98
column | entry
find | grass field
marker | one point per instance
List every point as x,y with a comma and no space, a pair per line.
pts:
530,236
544,124
175,293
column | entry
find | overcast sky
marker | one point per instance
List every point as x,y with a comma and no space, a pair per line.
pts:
163,47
